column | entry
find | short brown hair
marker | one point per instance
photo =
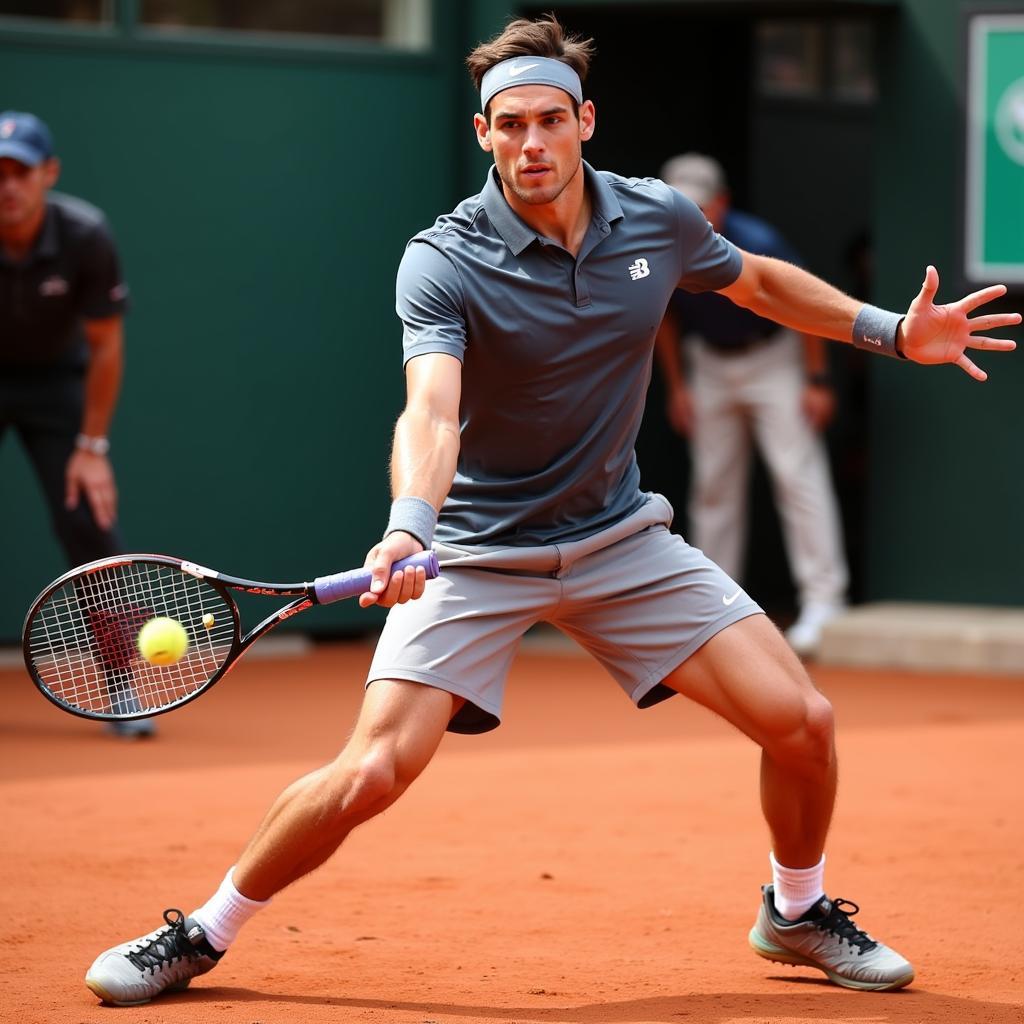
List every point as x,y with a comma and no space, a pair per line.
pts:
544,37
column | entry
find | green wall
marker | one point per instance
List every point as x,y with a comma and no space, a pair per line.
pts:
261,198
947,493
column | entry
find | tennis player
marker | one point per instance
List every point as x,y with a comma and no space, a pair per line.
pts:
529,317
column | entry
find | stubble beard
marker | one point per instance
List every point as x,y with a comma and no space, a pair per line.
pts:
540,196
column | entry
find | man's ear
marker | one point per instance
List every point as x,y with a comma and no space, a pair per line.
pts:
483,132
51,171
588,120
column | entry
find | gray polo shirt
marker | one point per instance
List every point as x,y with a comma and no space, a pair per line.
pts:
556,351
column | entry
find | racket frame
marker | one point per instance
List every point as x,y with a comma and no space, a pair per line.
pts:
304,596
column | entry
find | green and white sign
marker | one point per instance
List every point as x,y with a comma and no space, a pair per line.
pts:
995,149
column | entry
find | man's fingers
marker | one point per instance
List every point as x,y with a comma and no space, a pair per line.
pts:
993,321
101,501
389,587
969,367
929,287
380,574
378,581
411,584
71,492
405,584
979,298
991,344
402,586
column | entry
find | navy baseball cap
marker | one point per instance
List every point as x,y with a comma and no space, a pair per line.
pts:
23,137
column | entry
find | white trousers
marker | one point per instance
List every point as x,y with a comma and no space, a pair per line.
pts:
755,397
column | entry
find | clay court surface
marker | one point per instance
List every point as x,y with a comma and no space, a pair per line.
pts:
585,863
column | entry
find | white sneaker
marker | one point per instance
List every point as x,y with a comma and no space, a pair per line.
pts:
827,939
804,635
162,961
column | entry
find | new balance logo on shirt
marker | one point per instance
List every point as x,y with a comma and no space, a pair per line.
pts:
639,269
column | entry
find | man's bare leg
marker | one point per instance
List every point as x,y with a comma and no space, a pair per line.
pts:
398,730
748,675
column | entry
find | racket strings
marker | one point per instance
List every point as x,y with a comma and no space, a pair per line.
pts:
83,639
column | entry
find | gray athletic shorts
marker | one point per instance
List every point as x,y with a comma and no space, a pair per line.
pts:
636,596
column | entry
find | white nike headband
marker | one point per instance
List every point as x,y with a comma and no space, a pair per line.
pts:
530,71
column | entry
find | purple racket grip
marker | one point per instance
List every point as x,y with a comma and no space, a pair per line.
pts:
357,581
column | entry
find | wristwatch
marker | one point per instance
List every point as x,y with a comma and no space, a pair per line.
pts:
95,445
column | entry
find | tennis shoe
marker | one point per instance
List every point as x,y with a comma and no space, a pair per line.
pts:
804,636
131,728
827,939
162,961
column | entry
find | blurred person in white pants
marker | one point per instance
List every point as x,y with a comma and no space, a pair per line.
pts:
749,382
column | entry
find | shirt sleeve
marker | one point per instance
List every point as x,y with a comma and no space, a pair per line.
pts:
102,292
429,301
709,261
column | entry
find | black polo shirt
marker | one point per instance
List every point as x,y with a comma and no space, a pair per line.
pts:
72,274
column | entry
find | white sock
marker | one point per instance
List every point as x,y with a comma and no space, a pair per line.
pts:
797,889
224,913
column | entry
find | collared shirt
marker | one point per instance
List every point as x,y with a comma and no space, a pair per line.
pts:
556,350
71,274
714,318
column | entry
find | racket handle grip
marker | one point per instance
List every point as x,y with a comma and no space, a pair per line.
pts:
357,581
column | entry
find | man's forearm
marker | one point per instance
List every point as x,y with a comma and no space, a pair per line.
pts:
102,381
424,456
793,297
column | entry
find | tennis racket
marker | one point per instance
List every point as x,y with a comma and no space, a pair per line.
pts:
80,639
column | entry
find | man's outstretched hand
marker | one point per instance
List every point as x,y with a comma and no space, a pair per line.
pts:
942,334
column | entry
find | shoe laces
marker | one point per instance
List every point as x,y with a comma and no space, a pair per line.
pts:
166,946
837,922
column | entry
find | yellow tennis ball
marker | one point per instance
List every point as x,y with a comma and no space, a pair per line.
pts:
163,641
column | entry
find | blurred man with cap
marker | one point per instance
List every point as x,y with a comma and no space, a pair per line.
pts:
751,379
61,304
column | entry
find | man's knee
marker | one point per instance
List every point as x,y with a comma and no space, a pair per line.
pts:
806,734
820,724
367,779
370,782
